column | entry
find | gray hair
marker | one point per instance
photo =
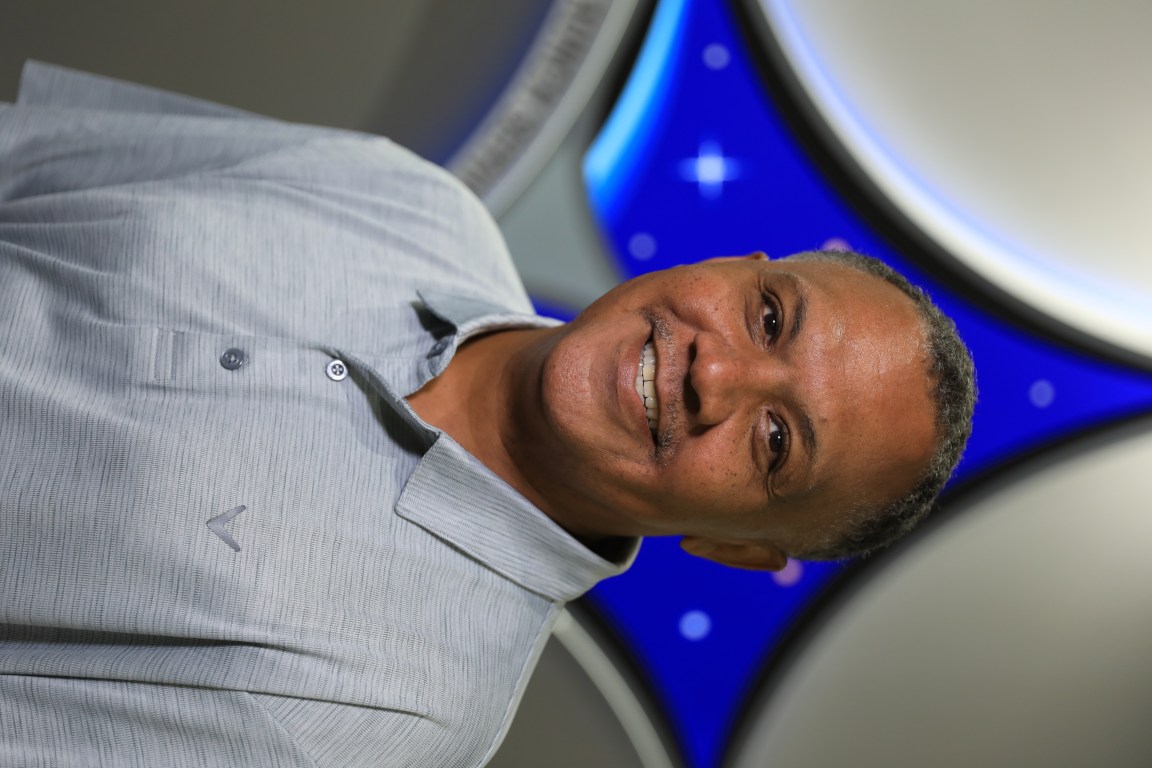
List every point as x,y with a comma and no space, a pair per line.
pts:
953,379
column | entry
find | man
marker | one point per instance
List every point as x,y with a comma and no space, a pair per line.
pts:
292,474
774,387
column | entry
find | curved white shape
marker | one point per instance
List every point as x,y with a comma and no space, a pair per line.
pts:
549,91
1014,134
580,710
1016,633
643,735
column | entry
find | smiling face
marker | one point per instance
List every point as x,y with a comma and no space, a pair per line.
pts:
786,394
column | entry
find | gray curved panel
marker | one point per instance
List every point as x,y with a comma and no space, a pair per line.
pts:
1014,634
1014,134
582,708
423,72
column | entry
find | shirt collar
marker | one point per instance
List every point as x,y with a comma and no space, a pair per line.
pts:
456,498
471,315
459,500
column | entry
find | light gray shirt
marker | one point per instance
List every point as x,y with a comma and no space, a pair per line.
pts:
225,539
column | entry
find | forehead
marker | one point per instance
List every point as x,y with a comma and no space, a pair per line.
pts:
841,281
847,317
862,375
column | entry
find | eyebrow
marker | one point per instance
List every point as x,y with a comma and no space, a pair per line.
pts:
799,312
807,433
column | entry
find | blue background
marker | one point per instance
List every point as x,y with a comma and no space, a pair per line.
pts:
696,160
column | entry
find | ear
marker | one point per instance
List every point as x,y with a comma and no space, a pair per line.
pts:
757,256
755,556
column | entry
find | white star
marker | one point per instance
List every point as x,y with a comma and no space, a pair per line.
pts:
709,169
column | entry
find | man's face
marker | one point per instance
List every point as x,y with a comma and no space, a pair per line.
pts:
786,393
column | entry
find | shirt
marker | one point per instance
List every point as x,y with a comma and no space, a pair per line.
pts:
226,538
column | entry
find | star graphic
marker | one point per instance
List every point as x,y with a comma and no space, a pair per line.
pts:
709,169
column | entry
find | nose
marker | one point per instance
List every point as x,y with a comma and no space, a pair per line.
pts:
727,378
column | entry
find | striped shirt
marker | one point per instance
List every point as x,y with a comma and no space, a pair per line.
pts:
225,539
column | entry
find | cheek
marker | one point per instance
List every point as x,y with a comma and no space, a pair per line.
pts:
566,371
715,468
564,393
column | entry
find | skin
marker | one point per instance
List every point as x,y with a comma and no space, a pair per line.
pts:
554,412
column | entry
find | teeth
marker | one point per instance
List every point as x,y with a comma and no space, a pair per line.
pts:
646,384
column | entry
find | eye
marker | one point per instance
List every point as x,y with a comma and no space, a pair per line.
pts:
777,441
771,320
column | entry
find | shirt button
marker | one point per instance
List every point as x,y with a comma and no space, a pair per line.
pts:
233,358
438,347
336,370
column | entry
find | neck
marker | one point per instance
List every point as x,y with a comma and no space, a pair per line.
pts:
480,400
489,400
